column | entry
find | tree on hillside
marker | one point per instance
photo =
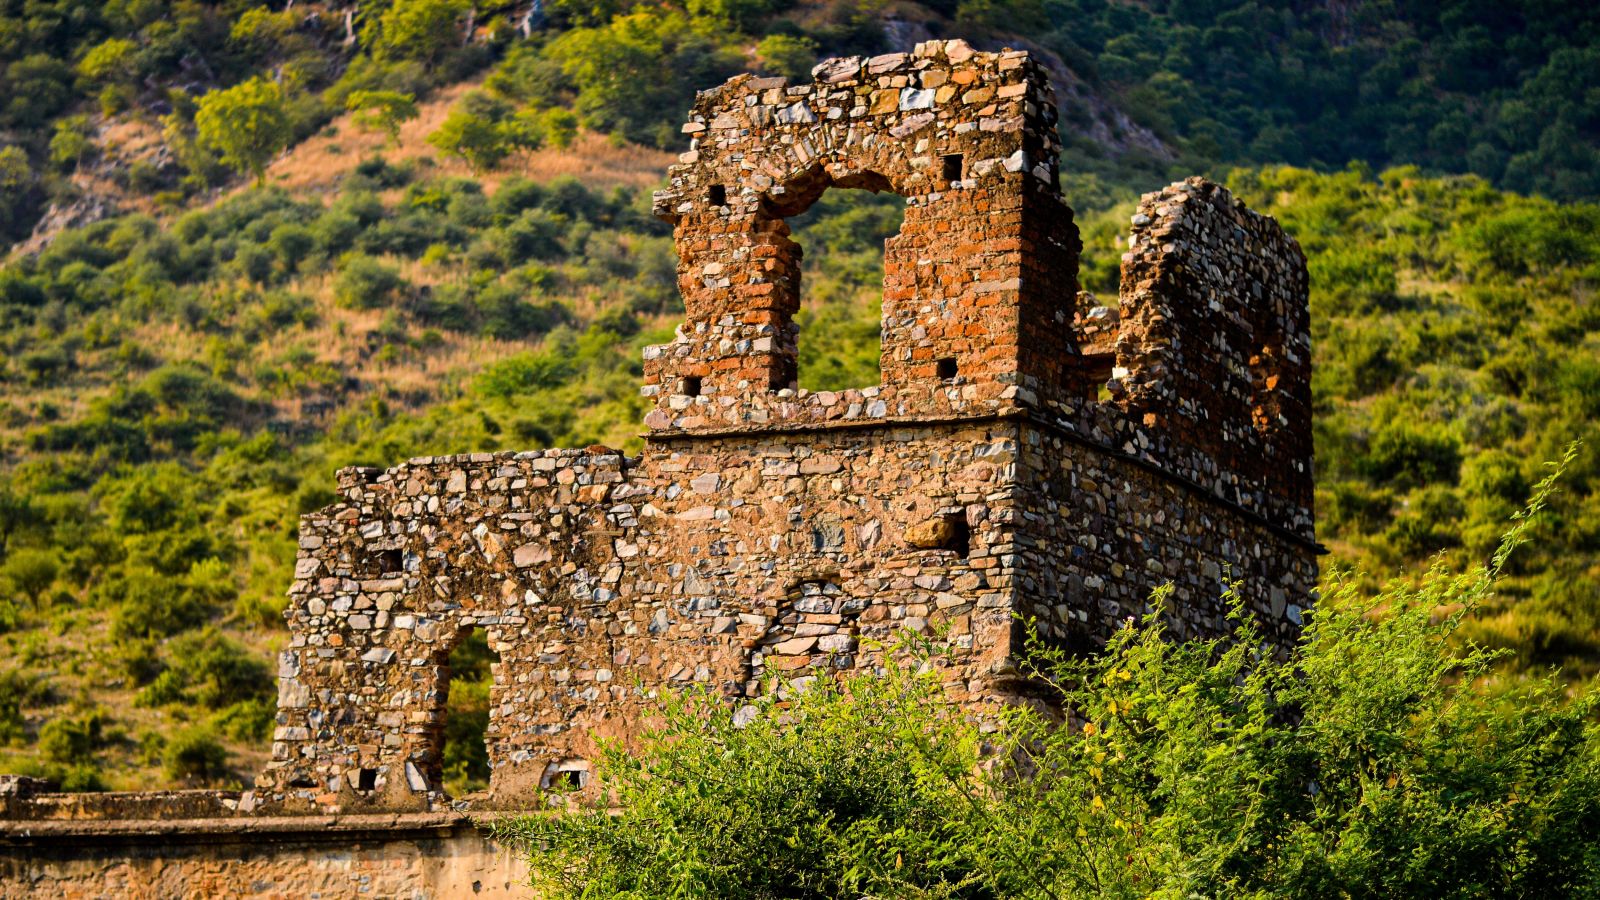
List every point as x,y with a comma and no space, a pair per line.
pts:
18,192
640,64
787,55
383,111
112,66
247,125
477,140
420,29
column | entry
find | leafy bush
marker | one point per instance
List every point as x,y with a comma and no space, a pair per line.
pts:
151,604
73,740
786,54
29,572
366,283
821,791
246,124
18,690
195,756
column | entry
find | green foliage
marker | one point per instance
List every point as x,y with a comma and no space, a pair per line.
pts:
73,740
262,28
29,572
366,283
736,15
148,603
247,124
420,29
208,669
788,55
195,757
18,691
816,790
383,111
71,143
478,140
559,127
18,193
1503,92
523,373
109,61
631,72
1376,759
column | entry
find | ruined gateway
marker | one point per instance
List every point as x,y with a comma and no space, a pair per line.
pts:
1027,453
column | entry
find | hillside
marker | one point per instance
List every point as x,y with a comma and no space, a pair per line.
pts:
181,379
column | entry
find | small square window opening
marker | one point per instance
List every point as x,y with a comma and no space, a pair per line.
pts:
946,368
952,167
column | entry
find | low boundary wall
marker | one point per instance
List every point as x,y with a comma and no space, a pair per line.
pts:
408,855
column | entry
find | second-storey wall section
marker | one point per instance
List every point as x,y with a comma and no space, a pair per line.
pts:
1101,531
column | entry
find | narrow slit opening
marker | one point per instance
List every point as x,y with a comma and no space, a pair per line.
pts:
960,535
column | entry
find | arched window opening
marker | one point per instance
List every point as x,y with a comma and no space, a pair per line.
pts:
469,675
840,320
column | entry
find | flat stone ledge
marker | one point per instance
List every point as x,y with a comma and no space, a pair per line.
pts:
341,829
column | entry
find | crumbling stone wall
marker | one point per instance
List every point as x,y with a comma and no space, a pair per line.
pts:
1027,452
968,139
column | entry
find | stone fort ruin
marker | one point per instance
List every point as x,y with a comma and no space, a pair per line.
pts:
1028,455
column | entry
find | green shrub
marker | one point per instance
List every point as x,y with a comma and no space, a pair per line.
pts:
30,571
195,756
291,243
73,740
166,688
1411,455
250,720
797,795
218,672
786,54
366,283
18,690
524,373
246,125
80,779
151,604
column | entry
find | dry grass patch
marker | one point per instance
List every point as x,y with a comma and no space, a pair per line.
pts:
315,166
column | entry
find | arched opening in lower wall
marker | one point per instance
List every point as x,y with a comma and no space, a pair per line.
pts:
468,675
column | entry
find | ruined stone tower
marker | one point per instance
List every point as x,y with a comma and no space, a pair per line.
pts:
1026,453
